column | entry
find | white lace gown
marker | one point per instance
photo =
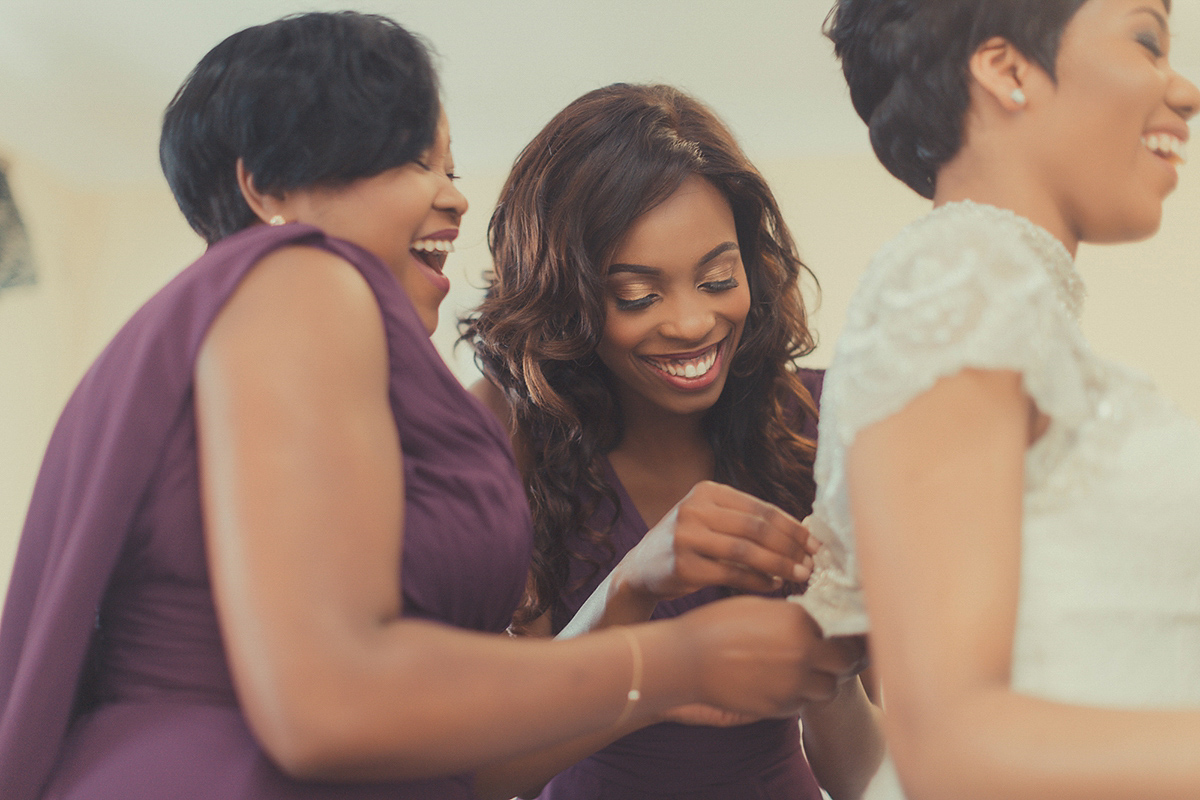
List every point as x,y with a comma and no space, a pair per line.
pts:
1109,602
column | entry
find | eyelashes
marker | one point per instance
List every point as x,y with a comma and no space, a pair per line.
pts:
646,300
636,305
1151,42
420,163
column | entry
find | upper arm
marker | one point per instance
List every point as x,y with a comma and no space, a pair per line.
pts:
936,492
301,476
491,396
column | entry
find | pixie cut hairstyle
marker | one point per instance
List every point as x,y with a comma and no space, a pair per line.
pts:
906,63
317,99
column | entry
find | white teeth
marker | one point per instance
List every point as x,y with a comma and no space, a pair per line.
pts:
691,368
1166,145
434,245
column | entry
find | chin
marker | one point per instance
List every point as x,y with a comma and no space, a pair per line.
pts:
699,403
429,320
1131,226
1142,230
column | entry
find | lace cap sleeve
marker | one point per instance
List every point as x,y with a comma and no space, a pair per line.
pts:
968,286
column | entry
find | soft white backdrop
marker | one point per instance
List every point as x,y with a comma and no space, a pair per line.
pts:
83,84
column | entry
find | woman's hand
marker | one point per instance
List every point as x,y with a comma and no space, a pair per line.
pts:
760,657
717,536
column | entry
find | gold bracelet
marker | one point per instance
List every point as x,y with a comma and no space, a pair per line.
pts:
635,682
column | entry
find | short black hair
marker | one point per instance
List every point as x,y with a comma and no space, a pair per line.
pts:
906,62
316,99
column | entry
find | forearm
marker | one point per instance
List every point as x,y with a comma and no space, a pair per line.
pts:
399,708
527,774
844,741
998,744
612,603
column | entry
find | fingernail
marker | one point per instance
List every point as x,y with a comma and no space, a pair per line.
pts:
800,573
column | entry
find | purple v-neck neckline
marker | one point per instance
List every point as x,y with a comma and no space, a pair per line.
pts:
628,509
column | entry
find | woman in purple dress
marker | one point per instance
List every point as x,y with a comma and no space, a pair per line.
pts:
274,544
640,336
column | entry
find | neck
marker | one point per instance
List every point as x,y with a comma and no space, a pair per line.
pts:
979,175
659,438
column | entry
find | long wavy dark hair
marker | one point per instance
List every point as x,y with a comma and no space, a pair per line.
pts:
571,198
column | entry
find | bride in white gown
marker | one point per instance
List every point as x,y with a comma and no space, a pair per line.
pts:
1017,518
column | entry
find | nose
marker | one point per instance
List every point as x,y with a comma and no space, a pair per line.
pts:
690,318
1183,97
451,201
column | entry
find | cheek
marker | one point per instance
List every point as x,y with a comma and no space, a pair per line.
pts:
617,341
1090,156
625,336
737,306
1112,102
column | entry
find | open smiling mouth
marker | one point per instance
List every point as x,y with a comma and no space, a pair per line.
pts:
1164,145
690,370
432,252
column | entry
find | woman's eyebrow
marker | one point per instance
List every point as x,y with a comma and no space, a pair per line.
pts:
636,269
723,247
642,269
1158,15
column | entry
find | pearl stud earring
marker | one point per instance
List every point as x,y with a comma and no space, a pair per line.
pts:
277,220
1018,96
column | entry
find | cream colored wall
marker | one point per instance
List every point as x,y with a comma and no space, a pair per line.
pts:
1142,297
100,254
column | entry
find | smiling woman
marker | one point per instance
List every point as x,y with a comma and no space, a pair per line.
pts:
275,545
672,328
982,467
640,339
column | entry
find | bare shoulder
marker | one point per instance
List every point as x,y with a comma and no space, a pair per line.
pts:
306,275
306,301
491,396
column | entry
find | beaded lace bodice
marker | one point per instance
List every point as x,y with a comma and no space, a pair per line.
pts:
1109,601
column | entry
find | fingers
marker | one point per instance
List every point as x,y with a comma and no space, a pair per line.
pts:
735,556
761,513
726,525
770,656
703,570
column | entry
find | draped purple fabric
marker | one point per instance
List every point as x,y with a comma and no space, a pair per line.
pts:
113,679
684,762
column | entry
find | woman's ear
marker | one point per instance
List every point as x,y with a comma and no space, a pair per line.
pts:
1002,72
266,207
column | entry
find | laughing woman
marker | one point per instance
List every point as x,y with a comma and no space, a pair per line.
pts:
639,339
275,545
1023,513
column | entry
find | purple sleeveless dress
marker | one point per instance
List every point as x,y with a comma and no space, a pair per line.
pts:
113,677
760,761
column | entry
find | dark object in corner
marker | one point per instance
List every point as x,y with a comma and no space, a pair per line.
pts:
16,263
